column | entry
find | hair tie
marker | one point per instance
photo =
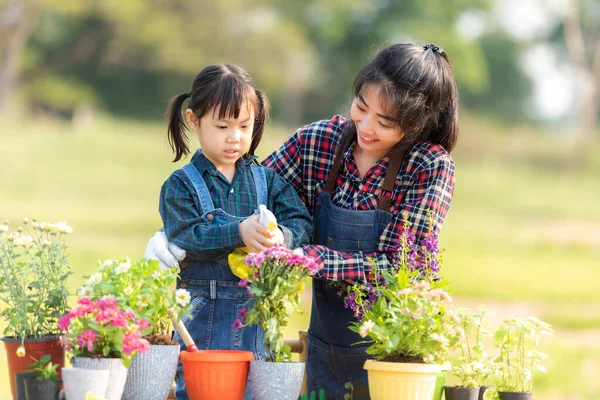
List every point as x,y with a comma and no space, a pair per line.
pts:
433,47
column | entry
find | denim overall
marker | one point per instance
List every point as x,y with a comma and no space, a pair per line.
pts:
216,298
333,359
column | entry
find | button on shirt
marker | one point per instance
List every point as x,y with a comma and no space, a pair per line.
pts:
187,228
424,182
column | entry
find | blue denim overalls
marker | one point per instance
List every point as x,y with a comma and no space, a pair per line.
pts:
216,297
332,359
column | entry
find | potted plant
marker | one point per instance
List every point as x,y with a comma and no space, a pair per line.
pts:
275,282
471,366
518,341
46,385
408,320
33,287
101,335
149,292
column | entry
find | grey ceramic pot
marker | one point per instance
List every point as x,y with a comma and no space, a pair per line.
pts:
151,374
78,382
276,380
116,377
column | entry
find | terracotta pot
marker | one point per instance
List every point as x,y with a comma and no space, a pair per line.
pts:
216,374
36,348
401,381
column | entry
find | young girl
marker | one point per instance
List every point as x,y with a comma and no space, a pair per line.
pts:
208,207
357,176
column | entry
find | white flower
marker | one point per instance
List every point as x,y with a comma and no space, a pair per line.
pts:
21,351
3,228
63,227
86,291
123,267
366,328
128,291
45,243
24,241
94,279
183,297
155,275
106,263
440,339
142,302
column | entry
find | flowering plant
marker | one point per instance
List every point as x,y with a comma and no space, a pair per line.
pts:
404,311
518,340
144,288
275,283
471,366
33,278
101,329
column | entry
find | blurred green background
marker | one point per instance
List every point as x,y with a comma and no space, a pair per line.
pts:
84,84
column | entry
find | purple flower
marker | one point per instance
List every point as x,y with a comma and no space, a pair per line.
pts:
237,324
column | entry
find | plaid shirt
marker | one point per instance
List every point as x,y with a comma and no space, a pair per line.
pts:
425,182
185,226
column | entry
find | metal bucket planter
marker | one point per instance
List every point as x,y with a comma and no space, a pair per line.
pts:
276,380
78,382
116,377
151,374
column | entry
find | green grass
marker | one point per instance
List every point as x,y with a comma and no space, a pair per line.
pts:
523,227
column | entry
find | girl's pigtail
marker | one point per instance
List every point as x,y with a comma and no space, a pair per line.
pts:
260,120
178,140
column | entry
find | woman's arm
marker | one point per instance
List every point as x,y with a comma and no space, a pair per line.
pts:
186,228
431,189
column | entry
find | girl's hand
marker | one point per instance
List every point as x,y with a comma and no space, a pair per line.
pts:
254,235
277,236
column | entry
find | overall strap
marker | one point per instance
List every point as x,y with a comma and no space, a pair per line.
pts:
201,189
394,165
260,182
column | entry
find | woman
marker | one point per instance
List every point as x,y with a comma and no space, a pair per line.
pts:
357,177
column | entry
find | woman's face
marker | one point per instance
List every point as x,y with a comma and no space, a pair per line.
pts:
376,130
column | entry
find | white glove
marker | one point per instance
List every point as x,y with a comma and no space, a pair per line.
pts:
167,254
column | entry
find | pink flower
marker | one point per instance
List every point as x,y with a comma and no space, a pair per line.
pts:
63,322
243,312
130,315
144,346
131,342
143,324
119,320
65,342
237,324
84,301
87,338
243,283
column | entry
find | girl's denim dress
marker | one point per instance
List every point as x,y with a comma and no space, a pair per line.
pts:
216,297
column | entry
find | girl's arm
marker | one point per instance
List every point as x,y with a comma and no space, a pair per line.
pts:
291,213
431,189
185,227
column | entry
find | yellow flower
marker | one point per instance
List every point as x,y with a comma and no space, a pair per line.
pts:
21,351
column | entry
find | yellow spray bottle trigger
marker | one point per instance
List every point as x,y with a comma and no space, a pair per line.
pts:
266,218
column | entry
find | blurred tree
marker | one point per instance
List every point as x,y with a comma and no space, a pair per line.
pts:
582,39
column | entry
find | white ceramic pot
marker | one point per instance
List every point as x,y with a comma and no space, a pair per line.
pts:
116,377
78,382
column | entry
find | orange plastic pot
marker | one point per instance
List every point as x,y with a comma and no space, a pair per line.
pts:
216,374
36,348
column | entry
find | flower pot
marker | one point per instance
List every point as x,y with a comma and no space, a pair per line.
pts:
514,395
151,374
20,378
482,390
116,377
216,374
461,393
41,390
440,381
36,348
276,380
79,381
401,381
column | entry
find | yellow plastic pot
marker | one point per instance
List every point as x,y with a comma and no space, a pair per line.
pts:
401,381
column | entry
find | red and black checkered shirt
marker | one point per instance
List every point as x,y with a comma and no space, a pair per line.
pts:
425,182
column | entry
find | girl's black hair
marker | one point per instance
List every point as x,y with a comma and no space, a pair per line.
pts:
226,88
418,90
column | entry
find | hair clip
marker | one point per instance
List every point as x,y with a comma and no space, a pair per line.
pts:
433,47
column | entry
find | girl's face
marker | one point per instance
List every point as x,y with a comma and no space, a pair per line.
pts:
224,141
376,130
